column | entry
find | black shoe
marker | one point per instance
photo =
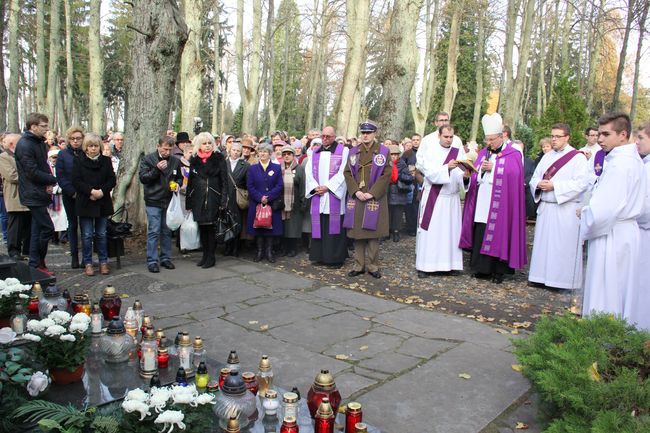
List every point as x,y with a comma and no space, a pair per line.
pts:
422,274
481,276
396,236
375,274
74,262
355,273
167,264
269,250
412,234
210,262
153,268
497,278
201,262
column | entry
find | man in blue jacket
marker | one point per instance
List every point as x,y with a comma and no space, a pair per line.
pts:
35,184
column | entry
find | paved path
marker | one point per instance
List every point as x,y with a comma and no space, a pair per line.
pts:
400,361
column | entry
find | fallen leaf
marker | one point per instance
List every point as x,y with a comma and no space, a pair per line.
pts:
342,357
593,372
253,322
514,331
366,318
502,331
264,327
517,367
124,296
363,348
521,426
464,376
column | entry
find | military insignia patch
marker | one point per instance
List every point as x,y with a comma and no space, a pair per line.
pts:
379,160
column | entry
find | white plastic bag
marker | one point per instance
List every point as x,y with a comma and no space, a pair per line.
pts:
190,239
174,217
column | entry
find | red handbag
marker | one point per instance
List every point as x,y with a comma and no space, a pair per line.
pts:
263,217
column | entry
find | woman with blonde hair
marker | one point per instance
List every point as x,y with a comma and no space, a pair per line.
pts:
206,192
93,179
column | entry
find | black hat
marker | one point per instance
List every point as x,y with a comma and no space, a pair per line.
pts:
183,137
368,126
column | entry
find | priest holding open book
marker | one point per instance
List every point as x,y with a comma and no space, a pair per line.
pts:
440,217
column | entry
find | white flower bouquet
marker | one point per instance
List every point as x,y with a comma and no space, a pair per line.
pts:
61,339
11,291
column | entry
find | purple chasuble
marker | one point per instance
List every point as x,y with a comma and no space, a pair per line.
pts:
599,160
336,159
505,231
434,193
371,208
559,163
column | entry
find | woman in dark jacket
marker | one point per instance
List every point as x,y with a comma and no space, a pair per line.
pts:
93,180
237,172
265,187
398,197
205,192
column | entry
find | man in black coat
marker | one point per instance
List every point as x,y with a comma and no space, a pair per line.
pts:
35,184
157,169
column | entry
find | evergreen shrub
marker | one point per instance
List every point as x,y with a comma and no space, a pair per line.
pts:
591,373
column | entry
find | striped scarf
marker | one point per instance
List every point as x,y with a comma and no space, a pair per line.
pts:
287,177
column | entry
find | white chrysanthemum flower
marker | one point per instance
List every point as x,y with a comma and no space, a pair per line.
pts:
60,317
47,322
137,394
35,326
182,395
81,318
202,399
12,282
171,418
23,296
136,406
159,397
54,330
68,337
79,327
31,337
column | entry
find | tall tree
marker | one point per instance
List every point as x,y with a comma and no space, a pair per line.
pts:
216,85
594,53
398,71
41,69
566,35
347,113
191,65
14,67
3,87
160,33
421,105
637,61
249,90
317,62
71,112
53,66
451,83
96,70
511,25
480,50
616,98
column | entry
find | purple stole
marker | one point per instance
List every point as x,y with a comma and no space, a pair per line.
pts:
599,160
558,164
371,208
336,159
434,193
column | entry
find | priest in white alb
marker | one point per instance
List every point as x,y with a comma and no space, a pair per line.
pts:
440,217
558,184
609,223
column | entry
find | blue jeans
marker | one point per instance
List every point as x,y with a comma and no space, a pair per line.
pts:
4,220
93,228
42,232
157,230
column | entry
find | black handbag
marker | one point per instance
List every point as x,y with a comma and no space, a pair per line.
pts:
115,229
226,227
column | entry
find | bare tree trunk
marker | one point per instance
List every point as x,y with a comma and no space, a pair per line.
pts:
217,71
71,111
616,102
480,54
420,107
508,79
637,61
249,91
41,74
551,63
313,83
14,67
160,34
95,71
357,41
451,83
594,55
514,100
191,66
3,87
55,54
541,67
399,67
566,30
274,112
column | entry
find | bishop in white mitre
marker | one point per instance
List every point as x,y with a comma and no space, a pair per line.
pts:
609,223
558,184
440,216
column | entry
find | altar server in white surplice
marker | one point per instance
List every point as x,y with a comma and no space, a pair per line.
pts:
559,181
609,223
440,216
641,308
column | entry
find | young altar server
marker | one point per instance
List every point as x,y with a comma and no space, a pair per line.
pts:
558,184
494,216
609,222
440,220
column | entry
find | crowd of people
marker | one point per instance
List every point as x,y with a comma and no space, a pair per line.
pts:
340,196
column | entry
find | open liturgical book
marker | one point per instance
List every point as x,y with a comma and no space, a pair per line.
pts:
467,165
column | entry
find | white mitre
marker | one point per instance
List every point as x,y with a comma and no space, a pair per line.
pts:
492,124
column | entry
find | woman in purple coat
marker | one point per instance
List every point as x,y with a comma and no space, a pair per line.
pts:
265,186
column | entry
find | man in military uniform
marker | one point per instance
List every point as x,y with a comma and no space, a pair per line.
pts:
367,176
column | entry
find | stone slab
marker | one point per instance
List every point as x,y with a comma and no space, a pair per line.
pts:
358,300
277,313
390,362
351,384
436,400
179,276
366,346
280,280
424,348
